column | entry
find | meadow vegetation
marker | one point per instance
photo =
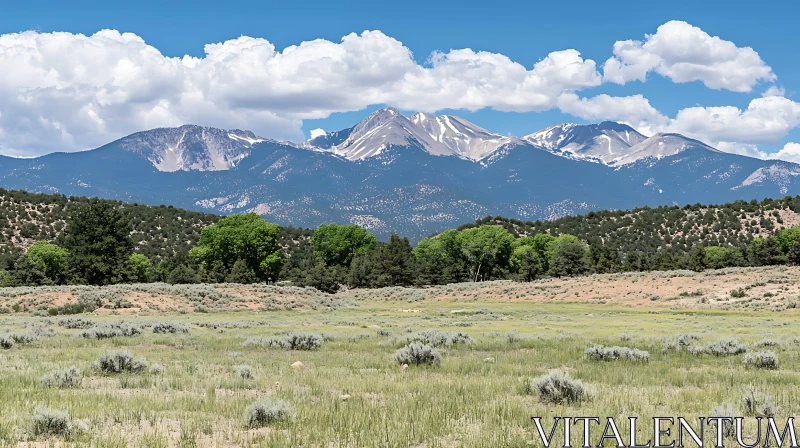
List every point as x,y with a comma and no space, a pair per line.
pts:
390,367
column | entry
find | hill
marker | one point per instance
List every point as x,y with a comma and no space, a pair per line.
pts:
412,175
158,231
646,229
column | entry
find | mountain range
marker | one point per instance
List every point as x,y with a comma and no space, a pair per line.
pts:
415,175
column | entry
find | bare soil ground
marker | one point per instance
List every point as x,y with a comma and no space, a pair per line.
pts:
768,288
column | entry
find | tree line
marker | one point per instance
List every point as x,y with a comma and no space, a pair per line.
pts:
98,247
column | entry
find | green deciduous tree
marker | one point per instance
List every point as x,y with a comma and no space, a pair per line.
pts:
787,237
99,244
50,259
486,250
139,268
338,244
244,237
717,257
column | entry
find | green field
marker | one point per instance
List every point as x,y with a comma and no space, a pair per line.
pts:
351,393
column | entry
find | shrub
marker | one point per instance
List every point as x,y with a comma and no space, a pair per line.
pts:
726,410
768,343
119,361
417,353
437,338
6,341
384,332
686,339
263,412
51,422
112,330
169,327
76,323
556,387
23,338
294,340
513,336
63,378
601,353
245,372
756,405
723,347
762,360
156,369
66,309
301,340
737,293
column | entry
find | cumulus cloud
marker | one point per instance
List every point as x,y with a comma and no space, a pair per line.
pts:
634,110
774,91
766,120
318,132
685,53
790,153
63,91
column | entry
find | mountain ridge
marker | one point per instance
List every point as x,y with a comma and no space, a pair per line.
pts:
416,176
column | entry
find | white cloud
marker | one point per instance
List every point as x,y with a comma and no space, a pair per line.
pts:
318,132
790,153
685,53
743,149
63,91
774,91
766,120
634,110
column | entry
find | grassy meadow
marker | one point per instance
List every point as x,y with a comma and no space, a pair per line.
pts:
196,386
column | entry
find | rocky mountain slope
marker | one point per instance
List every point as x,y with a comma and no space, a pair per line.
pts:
414,175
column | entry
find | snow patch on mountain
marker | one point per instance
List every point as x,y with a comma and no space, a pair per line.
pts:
192,148
657,147
601,143
781,174
439,135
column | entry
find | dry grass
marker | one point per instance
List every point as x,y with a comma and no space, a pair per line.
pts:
351,393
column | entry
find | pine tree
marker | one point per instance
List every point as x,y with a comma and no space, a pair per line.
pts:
99,244
394,263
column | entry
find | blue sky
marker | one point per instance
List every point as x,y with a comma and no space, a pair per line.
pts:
524,32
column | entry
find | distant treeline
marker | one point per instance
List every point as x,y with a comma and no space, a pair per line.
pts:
95,241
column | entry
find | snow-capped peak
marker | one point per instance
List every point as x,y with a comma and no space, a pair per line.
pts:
192,148
660,146
603,142
440,135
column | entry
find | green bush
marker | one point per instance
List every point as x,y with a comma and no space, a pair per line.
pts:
267,411
120,361
762,360
66,378
556,387
417,353
169,327
601,353
50,422
6,341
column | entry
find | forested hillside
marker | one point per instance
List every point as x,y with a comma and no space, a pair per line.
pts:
673,228
157,231
55,240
